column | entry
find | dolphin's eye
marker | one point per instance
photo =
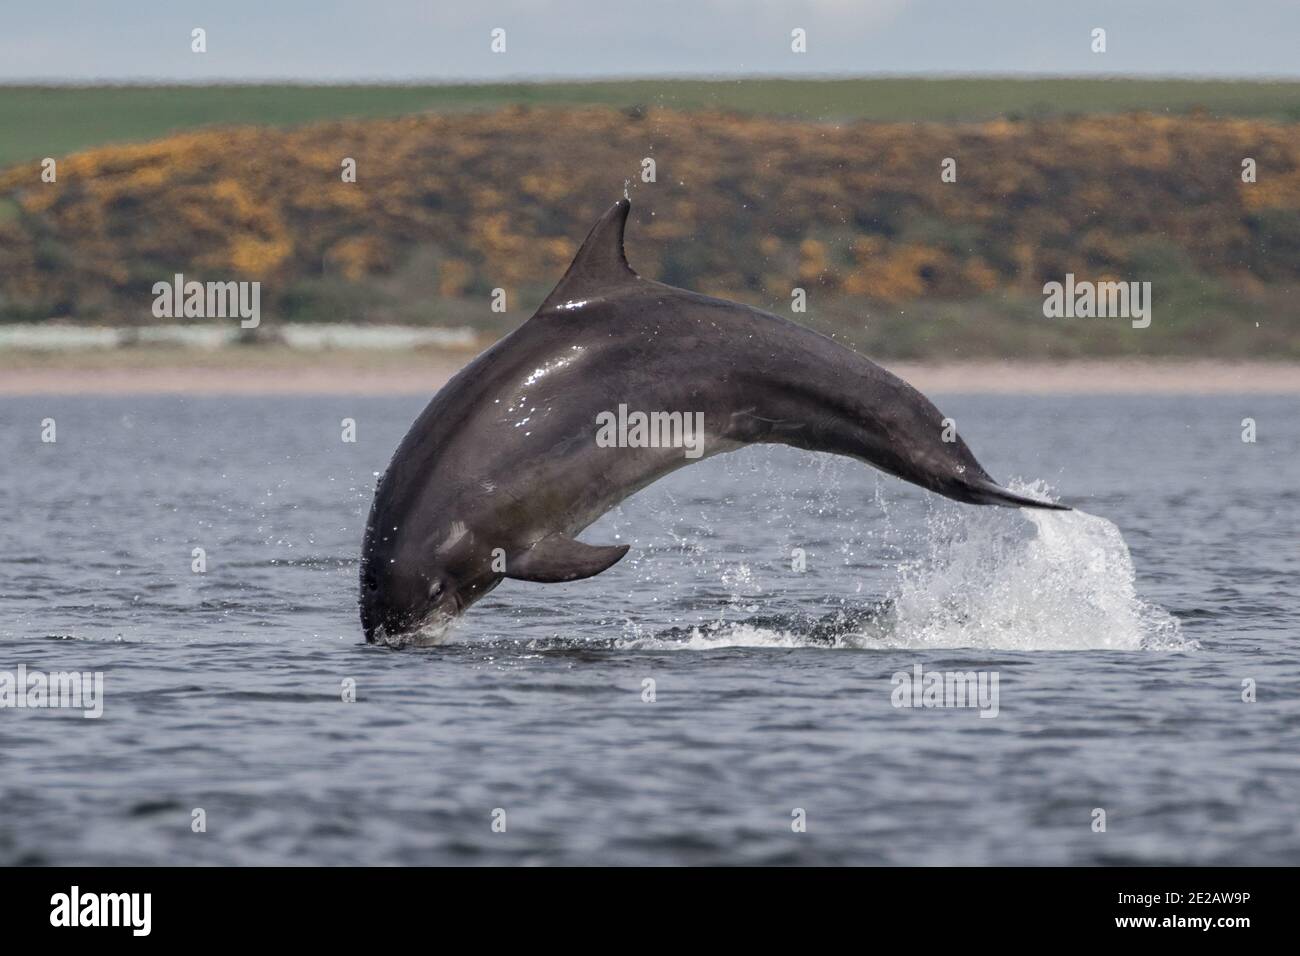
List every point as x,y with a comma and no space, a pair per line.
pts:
435,590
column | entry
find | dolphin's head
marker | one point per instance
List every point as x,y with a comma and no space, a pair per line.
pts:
407,608
415,585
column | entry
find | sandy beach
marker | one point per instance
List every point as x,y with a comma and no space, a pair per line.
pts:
281,372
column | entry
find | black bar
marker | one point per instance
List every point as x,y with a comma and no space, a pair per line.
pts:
945,907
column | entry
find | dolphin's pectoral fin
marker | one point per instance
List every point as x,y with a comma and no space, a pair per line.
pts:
599,265
558,557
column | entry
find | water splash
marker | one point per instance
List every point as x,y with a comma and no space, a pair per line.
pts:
1025,580
988,578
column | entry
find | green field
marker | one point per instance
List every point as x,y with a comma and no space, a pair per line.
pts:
53,121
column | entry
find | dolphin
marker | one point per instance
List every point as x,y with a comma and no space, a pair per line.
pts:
614,382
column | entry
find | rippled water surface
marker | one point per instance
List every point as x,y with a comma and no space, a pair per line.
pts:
1120,637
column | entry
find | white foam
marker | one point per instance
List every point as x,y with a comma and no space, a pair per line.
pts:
992,578
1025,579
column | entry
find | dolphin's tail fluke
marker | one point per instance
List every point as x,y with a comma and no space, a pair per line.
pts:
991,493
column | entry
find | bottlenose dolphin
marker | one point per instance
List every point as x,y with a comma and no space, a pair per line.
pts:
601,392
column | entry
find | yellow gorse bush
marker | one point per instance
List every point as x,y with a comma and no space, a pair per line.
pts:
741,206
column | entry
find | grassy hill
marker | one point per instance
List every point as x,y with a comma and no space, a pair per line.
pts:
53,121
795,183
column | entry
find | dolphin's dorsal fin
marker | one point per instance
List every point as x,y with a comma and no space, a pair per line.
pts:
557,557
600,263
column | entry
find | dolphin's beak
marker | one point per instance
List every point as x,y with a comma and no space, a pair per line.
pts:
426,628
430,632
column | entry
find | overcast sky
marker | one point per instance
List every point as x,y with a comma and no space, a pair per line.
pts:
351,40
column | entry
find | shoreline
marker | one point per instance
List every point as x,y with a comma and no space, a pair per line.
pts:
415,373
